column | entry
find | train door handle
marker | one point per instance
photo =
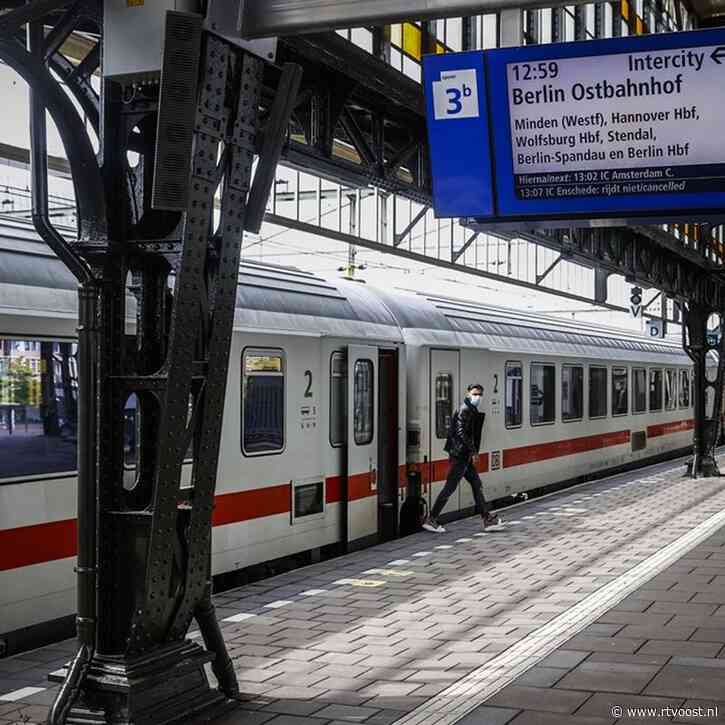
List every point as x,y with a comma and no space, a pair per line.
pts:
373,477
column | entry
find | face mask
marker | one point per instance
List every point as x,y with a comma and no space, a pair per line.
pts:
475,400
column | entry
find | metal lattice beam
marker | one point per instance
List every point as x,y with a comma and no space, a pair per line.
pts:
426,259
371,95
639,257
19,16
81,159
343,143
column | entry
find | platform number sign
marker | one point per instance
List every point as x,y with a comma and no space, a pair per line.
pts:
455,95
635,302
656,328
495,460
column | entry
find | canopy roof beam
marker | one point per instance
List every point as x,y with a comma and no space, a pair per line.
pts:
262,18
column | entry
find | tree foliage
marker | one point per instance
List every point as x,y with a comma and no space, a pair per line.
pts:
19,385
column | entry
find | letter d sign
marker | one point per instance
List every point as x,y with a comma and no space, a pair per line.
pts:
455,95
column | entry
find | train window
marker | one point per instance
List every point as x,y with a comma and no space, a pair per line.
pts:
684,388
670,389
655,390
364,401
338,399
542,403
263,373
572,392
38,407
444,403
597,392
514,394
639,392
620,392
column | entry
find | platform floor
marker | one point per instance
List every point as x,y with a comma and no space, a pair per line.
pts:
586,605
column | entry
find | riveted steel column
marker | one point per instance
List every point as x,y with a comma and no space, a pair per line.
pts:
708,388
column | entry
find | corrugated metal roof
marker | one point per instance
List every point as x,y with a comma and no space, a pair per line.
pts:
25,259
506,328
558,336
19,235
292,291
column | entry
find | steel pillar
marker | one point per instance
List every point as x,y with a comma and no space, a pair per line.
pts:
144,546
709,370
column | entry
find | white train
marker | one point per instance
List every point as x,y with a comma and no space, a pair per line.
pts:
338,393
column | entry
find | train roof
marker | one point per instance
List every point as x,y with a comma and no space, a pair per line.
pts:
288,299
25,259
434,319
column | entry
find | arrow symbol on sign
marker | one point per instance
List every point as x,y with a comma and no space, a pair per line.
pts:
718,54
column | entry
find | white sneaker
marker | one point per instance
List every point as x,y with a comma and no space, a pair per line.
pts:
433,526
491,521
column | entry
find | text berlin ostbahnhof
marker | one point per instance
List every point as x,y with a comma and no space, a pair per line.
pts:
601,90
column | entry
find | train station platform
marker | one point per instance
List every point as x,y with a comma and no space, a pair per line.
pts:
603,603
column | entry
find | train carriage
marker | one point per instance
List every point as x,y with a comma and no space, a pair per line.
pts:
339,395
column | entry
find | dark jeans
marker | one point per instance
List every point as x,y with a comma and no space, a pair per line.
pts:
461,468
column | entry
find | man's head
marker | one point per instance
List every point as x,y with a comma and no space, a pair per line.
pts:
474,393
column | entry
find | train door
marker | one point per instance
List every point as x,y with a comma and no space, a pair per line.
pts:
388,445
362,442
444,396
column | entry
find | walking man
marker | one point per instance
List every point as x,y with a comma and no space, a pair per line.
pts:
462,445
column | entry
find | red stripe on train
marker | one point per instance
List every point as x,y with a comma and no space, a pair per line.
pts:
556,449
359,486
333,489
653,431
438,470
229,508
232,508
38,543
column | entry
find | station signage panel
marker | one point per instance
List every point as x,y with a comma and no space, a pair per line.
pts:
460,153
622,128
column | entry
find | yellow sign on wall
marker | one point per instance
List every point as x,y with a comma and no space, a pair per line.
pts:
134,3
635,22
408,38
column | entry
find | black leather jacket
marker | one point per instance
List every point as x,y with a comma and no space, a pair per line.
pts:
464,434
